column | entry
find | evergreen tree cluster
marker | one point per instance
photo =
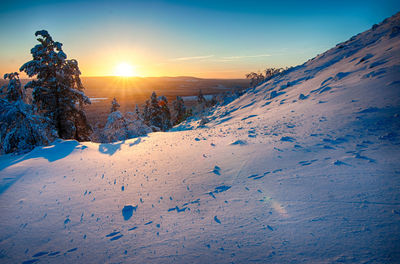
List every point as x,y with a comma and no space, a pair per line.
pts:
156,113
21,128
57,88
58,99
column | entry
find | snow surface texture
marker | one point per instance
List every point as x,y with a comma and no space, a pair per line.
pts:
304,168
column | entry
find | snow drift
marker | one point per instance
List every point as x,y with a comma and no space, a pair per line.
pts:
303,168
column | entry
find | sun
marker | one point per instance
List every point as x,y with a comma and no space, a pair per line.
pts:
124,70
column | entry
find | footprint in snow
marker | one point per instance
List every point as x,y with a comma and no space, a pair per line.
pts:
39,254
72,250
307,162
113,234
183,209
116,237
257,177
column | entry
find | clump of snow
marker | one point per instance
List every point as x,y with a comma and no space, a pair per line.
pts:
120,127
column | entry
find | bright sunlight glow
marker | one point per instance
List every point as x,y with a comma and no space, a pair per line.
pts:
124,70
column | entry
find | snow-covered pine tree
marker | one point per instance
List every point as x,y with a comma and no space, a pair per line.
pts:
165,114
146,112
201,103
138,116
179,110
13,90
114,105
200,98
213,101
20,129
155,112
57,88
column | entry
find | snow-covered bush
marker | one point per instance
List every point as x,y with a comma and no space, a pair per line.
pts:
120,127
180,113
255,78
258,78
21,130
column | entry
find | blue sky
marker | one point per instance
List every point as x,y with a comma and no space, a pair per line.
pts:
199,38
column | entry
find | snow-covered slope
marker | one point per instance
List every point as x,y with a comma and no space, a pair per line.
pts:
303,168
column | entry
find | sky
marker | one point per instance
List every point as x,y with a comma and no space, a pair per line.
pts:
204,38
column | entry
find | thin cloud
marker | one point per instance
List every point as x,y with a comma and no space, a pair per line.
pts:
246,56
223,60
192,58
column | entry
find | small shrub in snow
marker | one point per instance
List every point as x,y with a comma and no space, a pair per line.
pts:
255,78
269,73
119,128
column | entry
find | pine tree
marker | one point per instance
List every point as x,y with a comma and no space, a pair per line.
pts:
165,114
179,110
138,116
57,88
201,100
213,101
155,112
13,89
114,105
201,103
146,113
